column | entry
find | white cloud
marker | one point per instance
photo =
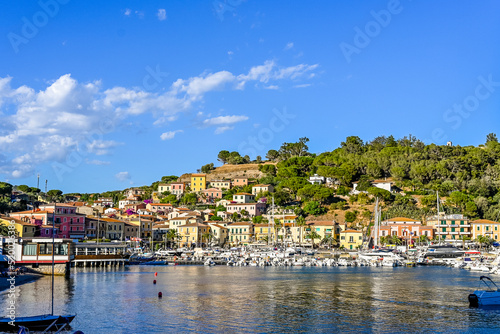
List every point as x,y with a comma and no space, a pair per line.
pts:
169,135
48,125
274,87
222,129
302,85
123,176
224,120
197,86
289,46
162,14
270,71
97,162
127,12
101,147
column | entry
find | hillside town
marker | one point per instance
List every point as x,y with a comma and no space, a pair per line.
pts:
248,219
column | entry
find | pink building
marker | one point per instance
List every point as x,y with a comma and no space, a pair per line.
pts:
211,195
240,181
253,209
71,224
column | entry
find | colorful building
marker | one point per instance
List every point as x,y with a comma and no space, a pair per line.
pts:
159,207
450,227
486,228
351,239
243,198
191,235
70,223
253,209
262,188
241,233
211,194
198,182
23,229
221,184
240,181
405,228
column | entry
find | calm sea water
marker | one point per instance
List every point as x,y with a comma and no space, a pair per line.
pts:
224,299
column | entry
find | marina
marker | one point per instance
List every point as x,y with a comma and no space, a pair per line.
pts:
217,299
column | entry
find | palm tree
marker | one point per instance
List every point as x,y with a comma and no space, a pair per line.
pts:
423,239
277,227
481,240
395,240
171,235
313,235
207,236
464,238
328,239
383,240
301,221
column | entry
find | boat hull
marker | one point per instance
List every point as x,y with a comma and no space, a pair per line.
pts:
35,323
484,298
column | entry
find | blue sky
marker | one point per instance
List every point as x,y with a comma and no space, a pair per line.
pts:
104,95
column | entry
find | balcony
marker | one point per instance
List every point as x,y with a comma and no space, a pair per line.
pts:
464,233
454,232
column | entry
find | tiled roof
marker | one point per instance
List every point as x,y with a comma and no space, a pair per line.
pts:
484,221
401,219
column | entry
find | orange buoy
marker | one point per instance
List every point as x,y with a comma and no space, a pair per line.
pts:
154,282
160,294
156,274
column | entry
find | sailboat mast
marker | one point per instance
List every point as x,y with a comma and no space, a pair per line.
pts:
437,229
53,253
375,226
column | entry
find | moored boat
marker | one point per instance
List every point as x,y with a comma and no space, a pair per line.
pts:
488,297
36,323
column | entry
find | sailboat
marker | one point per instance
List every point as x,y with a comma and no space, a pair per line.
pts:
45,322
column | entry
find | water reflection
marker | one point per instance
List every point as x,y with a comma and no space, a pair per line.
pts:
272,300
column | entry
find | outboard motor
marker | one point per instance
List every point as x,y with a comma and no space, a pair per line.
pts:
473,300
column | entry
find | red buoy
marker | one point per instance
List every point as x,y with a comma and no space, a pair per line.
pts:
156,274
154,282
160,294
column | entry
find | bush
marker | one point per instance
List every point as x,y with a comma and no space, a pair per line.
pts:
314,208
350,216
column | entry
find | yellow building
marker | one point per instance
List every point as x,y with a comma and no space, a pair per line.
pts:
145,228
286,220
486,228
261,232
241,233
23,230
219,233
193,234
323,229
351,239
198,182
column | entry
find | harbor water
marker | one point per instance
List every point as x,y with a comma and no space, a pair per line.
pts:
225,299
